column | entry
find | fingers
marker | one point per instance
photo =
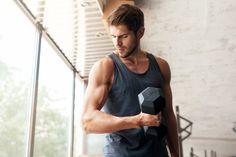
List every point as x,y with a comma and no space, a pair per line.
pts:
150,120
158,121
159,117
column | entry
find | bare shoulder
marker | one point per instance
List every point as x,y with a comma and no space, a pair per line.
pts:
164,67
102,70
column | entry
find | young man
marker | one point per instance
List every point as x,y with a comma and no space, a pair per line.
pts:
114,84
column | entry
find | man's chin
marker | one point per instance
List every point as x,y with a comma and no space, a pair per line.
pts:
121,53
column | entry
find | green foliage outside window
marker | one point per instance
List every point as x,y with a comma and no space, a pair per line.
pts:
51,126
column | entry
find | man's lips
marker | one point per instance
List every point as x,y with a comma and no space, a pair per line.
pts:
121,49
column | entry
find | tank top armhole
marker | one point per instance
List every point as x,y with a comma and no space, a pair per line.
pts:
155,63
115,69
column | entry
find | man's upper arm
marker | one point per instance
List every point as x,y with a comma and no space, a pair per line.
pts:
100,79
166,73
169,115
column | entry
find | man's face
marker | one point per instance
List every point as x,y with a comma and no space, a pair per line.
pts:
124,40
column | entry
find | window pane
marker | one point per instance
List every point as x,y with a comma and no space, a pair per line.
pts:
54,105
17,36
85,144
58,17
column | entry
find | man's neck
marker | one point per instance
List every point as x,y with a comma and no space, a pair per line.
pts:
135,58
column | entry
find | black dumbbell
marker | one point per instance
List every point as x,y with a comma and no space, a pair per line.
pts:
152,101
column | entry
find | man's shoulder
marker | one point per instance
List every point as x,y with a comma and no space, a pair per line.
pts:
103,68
105,62
164,67
161,61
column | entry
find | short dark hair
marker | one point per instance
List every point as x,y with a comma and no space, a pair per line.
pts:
128,15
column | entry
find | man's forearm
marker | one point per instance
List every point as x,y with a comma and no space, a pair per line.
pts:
101,122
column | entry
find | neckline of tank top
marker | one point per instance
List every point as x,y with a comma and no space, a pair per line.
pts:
133,72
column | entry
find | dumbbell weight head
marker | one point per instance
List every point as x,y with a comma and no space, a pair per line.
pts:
151,102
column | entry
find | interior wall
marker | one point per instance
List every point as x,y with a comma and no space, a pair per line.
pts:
198,39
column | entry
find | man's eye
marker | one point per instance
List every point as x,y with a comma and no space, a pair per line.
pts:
124,36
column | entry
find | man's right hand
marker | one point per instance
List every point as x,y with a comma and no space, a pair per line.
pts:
149,120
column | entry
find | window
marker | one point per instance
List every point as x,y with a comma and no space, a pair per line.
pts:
17,36
54,105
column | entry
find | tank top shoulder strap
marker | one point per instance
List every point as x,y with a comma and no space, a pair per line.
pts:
117,63
120,71
115,59
153,62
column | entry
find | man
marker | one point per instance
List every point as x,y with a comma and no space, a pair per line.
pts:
114,84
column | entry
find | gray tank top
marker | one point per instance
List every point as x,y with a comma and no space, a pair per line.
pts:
123,101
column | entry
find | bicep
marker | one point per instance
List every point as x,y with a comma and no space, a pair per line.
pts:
166,88
95,95
98,86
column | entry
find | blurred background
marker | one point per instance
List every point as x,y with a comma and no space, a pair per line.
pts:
47,48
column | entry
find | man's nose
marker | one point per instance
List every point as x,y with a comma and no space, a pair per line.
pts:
118,42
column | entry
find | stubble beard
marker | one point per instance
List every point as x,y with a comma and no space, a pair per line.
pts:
130,51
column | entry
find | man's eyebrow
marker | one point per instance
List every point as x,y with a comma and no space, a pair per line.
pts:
119,35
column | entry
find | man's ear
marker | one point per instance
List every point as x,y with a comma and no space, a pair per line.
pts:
140,32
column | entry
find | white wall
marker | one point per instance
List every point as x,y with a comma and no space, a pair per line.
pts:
198,39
